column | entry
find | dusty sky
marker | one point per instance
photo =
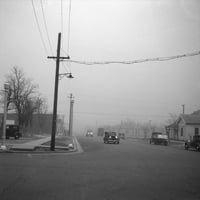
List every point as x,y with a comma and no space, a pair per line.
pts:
104,30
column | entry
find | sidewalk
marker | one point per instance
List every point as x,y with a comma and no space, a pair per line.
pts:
30,146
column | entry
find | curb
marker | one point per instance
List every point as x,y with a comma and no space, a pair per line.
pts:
76,148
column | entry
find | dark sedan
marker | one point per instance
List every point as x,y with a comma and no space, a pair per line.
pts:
194,143
111,137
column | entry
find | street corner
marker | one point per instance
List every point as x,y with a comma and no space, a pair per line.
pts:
77,145
63,144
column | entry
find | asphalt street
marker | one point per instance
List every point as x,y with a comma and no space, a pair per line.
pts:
131,170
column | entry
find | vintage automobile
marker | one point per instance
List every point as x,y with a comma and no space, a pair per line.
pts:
111,137
13,131
159,138
90,133
194,143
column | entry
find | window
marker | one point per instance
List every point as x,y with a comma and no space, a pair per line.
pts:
196,131
181,131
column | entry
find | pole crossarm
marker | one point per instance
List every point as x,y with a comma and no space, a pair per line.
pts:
61,57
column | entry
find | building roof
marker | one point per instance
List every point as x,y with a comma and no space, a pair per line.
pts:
190,119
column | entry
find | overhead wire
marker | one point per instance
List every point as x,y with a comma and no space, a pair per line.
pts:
61,15
167,58
69,27
61,27
45,24
68,34
68,64
39,29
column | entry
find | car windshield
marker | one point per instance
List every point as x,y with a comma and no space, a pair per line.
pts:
110,134
156,134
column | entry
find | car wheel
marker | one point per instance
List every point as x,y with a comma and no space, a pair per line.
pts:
186,147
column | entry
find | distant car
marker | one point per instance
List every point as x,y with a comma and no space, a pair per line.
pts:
159,138
90,133
111,137
13,131
194,143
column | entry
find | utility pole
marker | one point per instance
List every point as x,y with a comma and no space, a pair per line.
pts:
56,91
6,88
183,108
71,115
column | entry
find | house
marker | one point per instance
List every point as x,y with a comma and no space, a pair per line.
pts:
185,127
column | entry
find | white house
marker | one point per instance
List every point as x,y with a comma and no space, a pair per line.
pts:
185,127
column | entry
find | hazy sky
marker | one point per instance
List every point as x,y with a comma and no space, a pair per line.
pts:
104,30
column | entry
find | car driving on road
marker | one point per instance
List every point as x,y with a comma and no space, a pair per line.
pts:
90,133
111,137
159,138
194,143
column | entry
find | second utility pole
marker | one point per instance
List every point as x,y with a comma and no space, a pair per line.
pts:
71,115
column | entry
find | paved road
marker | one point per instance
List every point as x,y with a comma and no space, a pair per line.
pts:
130,170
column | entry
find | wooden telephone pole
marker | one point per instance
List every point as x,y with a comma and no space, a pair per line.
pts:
56,91
183,108
71,115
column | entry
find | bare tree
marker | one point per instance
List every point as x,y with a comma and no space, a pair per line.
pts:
41,110
172,118
41,105
21,94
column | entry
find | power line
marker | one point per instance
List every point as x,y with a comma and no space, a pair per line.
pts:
61,15
38,26
68,34
135,61
69,26
45,23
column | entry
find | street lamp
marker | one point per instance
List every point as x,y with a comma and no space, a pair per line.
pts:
6,89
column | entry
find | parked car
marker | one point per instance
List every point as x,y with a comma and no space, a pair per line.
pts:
194,143
90,133
159,138
13,131
111,137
